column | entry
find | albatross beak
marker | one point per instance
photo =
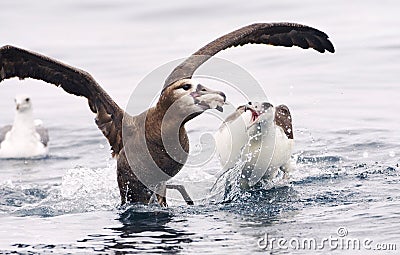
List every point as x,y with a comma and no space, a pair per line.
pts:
211,99
257,109
254,113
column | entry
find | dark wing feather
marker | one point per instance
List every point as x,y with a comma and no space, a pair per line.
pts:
44,135
278,34
3,132
16,62
283,119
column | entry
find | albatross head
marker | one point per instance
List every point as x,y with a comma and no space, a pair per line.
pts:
260,112
23,103
264,114
191,98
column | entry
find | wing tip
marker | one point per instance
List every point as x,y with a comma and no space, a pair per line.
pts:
331,48
328,46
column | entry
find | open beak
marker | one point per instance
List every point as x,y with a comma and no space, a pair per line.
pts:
256,113
208,99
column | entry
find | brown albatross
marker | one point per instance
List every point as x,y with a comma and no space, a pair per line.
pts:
178,87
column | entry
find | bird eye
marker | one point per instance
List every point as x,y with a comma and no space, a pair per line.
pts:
186,86
249,103
27,100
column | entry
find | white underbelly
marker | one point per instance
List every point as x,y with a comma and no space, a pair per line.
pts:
264,154
22,146
230,140
283,149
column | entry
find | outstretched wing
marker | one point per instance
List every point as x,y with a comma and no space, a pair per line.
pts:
277,34
16,62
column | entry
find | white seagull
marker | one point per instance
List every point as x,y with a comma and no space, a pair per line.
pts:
26,138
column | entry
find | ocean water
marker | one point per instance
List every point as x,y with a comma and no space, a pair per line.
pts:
345,106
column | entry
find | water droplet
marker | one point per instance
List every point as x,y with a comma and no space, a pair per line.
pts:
365,154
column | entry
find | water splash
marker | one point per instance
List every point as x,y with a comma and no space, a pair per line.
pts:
82,190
